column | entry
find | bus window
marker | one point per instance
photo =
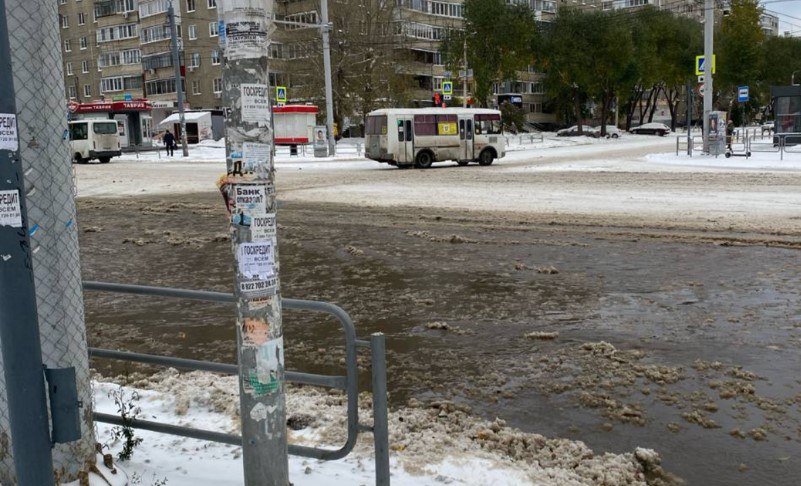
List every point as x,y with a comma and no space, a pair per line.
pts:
461,129
78,131
376,125
408,130
425,125
488,124
400,130
107,128
470,129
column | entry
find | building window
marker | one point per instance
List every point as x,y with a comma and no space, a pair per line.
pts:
72,92
81,18
126,57
154,7
160,86
116,32
126,6
192,32
84,67
69,69
194,60
87,90
155,61
67,46
212,3
195,87
65,22
190,5
84,43
155,33
108,85
215,57
213,29
218,85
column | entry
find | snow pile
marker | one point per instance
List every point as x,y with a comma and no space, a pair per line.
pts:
431,445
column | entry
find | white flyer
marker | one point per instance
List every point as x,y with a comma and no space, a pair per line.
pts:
245,38
255,155
255,102
8,132
249,201
10,211
263,227
257,260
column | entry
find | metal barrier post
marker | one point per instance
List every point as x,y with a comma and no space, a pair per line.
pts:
380,418
249,191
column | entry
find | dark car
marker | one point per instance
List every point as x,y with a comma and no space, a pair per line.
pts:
651,129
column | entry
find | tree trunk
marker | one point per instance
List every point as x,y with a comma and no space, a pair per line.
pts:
654,99
577,107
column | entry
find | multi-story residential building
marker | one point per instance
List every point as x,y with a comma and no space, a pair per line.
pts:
120,51
769,24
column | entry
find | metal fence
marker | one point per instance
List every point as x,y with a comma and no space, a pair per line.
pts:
745,142
349,383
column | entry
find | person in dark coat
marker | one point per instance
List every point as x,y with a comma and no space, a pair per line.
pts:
169,143
729,134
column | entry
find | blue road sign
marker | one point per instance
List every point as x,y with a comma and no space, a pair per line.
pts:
742,94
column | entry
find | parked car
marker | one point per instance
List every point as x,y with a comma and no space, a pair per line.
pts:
573,131
651,129
611,131
768,127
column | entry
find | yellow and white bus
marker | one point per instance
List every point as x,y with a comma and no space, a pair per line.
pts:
418,137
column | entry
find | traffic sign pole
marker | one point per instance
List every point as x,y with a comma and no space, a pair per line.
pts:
709,22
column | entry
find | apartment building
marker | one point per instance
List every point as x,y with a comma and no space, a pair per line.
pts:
769,24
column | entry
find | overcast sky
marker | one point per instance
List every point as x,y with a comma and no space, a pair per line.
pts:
789,13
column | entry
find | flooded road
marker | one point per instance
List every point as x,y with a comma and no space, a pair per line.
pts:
685,342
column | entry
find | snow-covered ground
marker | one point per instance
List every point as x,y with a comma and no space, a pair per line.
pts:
634,175
433,446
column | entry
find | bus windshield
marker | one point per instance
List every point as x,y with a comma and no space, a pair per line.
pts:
106,128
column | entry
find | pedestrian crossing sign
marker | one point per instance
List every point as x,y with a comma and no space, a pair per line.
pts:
700,66
280,94
447,88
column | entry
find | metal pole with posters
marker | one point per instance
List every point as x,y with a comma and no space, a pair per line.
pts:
19,325
179,85
249,191
709,32
329,90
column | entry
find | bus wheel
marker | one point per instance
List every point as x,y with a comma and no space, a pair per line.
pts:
463,162
104,160
486,158
79,159
423,160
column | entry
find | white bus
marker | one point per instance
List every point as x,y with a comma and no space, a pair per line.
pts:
94,139
421,136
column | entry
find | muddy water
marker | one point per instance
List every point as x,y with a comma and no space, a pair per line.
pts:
700,344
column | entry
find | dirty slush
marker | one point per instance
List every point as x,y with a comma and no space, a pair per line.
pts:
616,336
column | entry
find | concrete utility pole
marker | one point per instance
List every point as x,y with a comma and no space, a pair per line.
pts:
249,191
19,326
464,80
329,90
709,33
176,62
50,215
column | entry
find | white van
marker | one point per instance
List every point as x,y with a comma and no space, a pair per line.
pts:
422,136
94,139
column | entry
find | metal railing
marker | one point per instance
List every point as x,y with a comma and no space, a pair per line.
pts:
349,382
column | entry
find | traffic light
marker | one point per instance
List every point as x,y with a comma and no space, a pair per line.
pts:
437,99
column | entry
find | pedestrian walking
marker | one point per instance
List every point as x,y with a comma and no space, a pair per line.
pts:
169,143
729,134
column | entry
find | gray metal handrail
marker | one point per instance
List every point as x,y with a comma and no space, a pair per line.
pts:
349,382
